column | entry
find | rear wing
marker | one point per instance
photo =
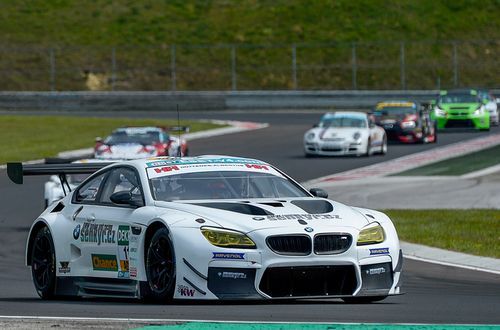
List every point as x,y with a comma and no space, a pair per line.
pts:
17,171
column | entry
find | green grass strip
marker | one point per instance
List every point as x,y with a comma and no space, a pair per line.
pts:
306,326
458,165
35,137
469,231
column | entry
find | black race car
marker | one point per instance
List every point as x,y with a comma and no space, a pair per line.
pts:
405,121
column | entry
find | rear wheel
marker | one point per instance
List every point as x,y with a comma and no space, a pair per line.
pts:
363,300
43,264
160,268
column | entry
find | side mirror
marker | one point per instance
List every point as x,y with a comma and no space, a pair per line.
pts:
125,198
318,192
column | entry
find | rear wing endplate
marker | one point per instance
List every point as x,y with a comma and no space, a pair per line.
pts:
16,171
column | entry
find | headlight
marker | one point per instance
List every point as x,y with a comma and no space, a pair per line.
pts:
479,111
439,112
371,234
356,135
227,238
310,136
408,124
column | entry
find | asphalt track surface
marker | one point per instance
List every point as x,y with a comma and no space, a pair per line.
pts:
434,293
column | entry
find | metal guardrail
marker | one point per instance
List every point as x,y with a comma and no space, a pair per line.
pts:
225,100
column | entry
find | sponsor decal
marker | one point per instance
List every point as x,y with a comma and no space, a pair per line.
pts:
228,256
76,232
133,272
379,251
375,271
302,217
123,235
166,169
177,161
233,275
105,262
97,233
64,269
185,291
123,274
258,167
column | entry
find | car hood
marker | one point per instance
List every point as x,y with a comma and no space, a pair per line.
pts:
334,133
250,215
459,107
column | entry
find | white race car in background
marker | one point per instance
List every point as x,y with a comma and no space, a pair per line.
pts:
490,104
208,227
53,189
140,142
345,133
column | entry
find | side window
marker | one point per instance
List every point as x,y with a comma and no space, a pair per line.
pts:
121,179
90,191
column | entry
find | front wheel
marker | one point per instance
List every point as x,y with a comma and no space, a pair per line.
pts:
160,268
43,264
363,300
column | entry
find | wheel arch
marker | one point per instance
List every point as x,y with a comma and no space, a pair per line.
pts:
150,231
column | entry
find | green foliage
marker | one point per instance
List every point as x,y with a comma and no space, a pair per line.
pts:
469,231
35,137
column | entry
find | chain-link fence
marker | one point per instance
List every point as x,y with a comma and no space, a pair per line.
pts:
338,66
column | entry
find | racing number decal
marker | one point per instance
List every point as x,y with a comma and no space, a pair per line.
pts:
123,251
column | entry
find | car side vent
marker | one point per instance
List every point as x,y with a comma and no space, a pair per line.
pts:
273,204
314,206
58,208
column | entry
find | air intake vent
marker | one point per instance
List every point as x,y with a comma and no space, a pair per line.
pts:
296,245
332,243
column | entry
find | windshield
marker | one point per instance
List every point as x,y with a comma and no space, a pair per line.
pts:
458,98
395,111
146,138
223,185
343,122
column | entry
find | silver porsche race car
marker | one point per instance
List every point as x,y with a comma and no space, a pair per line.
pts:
207,227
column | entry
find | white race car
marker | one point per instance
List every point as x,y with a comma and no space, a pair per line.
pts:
345,133
140,142
208,227
55,190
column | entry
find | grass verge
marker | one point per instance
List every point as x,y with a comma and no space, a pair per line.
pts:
35,137
458,165
469,231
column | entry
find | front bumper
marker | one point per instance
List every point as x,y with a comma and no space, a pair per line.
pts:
456,121
334,148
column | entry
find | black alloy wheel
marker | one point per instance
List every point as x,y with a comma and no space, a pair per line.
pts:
160,267
43,264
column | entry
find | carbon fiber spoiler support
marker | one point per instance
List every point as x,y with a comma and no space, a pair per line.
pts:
16,171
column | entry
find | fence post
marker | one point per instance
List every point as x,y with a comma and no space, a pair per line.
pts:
455,64
354,67
52,63
234,83
294,66
173,75
113,68
403,68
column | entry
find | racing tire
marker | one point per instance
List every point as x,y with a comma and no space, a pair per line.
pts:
160,268
363,300
383,149
43,264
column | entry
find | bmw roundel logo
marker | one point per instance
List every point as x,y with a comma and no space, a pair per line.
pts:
76,232
309,229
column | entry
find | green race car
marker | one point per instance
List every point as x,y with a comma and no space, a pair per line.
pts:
460,108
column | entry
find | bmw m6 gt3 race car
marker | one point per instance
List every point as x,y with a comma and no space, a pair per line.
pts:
140,142
405,121
461,108
345,133
207,227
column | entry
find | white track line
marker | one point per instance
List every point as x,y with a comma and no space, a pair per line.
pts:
444,263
